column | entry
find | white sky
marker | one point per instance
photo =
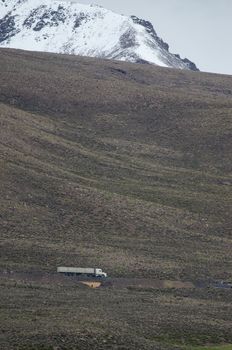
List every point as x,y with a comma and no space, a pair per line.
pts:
200,30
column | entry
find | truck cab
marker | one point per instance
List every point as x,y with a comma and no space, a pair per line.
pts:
100,273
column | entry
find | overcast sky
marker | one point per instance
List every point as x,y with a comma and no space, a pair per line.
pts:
200,30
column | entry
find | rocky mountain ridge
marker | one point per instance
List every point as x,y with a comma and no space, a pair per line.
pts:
86,30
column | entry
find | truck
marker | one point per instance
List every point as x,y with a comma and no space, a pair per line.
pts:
81,271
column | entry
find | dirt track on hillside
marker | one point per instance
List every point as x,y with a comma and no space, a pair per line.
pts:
119,283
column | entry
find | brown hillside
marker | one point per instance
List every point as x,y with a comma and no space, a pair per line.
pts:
122,166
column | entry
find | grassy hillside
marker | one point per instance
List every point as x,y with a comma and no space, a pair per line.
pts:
122,166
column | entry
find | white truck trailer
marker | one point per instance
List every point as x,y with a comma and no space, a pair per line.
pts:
81,271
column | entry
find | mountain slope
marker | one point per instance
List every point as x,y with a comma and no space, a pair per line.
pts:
122,166
86,30
125,154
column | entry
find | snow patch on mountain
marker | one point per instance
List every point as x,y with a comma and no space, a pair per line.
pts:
86,30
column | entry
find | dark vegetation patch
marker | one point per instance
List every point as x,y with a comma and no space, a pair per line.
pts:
118,70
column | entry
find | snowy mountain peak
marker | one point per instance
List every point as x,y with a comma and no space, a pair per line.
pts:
87,30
